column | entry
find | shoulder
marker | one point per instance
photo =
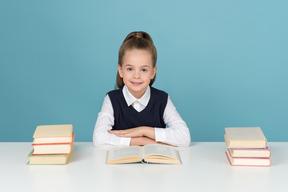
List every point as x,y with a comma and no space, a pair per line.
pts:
159,94
116,97
114,92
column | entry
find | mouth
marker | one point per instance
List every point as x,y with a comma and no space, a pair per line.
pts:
136,83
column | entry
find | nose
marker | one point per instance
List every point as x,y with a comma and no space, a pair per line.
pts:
136,74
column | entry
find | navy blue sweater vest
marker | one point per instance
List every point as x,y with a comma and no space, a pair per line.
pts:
126,117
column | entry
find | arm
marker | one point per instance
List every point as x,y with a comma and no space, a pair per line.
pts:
145,141
143,131
139,135
177,133
104,122
142,141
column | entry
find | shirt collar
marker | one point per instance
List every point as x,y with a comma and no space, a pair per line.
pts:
130,99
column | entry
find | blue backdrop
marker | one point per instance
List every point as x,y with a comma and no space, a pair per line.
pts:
224,63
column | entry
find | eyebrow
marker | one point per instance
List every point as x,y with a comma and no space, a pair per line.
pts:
129,65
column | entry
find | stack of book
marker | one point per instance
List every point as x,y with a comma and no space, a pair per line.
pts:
247,146
53,144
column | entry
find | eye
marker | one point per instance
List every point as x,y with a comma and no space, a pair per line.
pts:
129,69
144,70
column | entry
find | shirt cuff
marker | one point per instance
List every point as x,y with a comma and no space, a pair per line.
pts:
160,134
125,141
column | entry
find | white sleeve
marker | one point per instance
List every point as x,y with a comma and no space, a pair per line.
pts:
105,122
176,133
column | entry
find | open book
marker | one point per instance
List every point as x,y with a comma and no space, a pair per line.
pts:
151,153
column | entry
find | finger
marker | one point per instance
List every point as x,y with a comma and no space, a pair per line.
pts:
118,133
113,132
122,133
109,131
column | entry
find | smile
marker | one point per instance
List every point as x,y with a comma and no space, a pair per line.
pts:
136,83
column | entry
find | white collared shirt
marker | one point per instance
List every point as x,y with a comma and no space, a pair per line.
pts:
176,133
138,104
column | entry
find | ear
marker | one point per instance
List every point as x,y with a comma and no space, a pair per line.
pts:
154,72
120,71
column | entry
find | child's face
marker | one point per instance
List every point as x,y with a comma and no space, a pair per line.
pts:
137,71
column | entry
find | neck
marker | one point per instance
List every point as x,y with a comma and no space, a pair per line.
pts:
137,95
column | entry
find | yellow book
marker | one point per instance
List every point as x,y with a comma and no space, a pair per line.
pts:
245,137
57,159
151,153
53,134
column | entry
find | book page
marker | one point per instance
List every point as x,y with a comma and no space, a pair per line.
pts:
125,152
163,150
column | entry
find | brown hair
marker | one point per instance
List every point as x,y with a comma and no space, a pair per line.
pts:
136,40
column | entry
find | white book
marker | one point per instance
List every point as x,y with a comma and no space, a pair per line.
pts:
245,137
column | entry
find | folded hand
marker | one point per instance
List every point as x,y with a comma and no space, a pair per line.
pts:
134,132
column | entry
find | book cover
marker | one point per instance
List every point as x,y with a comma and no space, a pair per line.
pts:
59,159
53,134
250,152
245,137
248,161
53,148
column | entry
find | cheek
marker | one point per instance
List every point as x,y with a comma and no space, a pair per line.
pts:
121,73
126,75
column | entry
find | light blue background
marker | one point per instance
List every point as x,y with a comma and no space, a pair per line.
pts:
224,63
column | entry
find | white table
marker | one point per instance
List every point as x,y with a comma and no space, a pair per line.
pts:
204,168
